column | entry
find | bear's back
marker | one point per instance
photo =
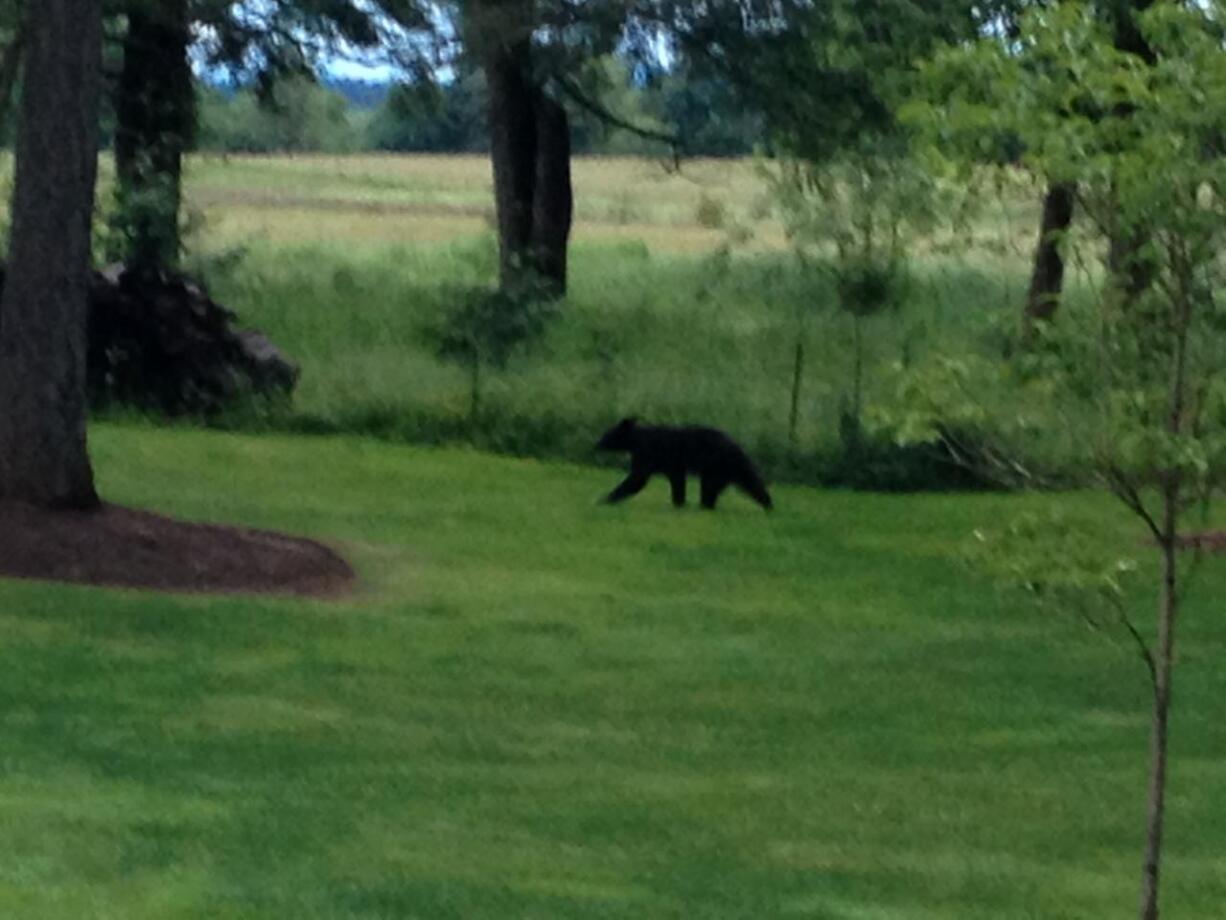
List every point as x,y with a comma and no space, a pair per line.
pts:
694,448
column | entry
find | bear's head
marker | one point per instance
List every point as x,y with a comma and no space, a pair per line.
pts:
620,436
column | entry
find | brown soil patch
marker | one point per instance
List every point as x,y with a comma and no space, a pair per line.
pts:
122,547
1213,541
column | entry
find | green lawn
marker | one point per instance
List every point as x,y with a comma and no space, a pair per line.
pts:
537,707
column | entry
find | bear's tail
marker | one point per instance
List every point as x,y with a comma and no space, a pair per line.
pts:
753,485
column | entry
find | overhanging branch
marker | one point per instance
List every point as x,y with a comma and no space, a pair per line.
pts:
594,107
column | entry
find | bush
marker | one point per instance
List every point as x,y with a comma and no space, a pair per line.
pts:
710,212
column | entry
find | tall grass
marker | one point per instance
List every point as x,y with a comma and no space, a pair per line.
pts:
672,339
345,260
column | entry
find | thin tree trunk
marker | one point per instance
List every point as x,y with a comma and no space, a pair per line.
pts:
1047,275
1156,799
857,337
1168,611
43,456
798,365
474,394
156,116
1129,269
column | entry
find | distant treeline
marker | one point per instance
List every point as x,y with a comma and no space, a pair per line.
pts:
345,116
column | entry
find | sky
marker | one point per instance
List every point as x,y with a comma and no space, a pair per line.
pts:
352,70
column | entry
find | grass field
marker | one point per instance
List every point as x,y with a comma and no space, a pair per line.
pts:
374,200
345,260
537,707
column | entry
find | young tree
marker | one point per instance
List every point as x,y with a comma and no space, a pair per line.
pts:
1139,385
852,217
43,457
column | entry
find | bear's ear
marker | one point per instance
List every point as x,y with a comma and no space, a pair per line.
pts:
628,422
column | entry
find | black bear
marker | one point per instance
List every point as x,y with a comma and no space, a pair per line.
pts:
714,457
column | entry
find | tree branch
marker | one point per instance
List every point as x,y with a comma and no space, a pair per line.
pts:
1146,655
597,108
1127,492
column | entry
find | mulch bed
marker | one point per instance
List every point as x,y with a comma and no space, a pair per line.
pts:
123,547
1212,541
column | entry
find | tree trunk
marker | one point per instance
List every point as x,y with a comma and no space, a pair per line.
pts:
10,69
1126,36
1168,610
43,457
1130,272
552,199
513,139
1156,800
1047,276
530,150
1129,269
156,116
798,368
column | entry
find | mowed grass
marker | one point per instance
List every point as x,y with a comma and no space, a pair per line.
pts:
538,707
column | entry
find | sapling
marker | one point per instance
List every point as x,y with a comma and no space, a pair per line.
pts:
1134,391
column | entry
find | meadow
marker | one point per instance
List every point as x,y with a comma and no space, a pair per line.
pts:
535,706
685,304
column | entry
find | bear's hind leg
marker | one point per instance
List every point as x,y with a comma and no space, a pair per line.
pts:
712,486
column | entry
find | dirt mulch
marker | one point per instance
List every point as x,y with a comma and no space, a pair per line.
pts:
122,547
1211,541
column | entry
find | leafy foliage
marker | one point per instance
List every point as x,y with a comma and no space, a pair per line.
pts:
484,328
428,116
489,326
851,216
1140,137
1141,143
297,115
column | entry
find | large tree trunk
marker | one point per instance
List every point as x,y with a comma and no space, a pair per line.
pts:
1047,276
513,139
530,150
155,121
552,198
43,457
